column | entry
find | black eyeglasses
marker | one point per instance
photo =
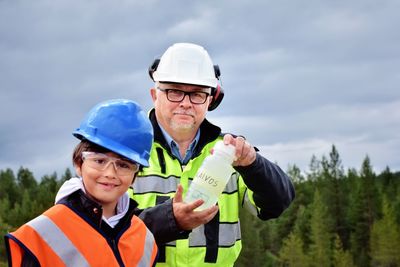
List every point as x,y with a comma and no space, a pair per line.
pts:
175,95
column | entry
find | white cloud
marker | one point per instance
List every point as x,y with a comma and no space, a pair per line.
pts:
197,25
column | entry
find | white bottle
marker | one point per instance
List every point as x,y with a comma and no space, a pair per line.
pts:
212,177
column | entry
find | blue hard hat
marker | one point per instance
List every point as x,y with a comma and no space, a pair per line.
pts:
121,126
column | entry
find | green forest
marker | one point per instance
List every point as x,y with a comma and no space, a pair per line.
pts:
340,217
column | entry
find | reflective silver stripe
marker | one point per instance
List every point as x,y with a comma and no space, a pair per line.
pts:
158,184
148,250
58,241
172,243
232,185
249,206
229,233
146,184
197,237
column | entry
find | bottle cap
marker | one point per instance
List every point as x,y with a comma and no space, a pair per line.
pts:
227,150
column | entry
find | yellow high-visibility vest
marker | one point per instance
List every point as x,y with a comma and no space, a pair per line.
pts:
217,243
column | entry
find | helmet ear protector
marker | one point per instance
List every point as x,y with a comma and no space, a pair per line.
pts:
153,68
217,93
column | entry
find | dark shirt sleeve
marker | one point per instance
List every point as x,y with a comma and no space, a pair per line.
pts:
272,188
161,222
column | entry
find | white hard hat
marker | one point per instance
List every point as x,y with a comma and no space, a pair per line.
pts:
185,63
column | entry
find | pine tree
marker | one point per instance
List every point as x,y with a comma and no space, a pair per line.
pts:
66,176
314,169
363,211
302,225
8,186
5,207
24,211
388,184
294,173
292,251
385,239
25,179
288,218
341,258
46,191
333,193
320,248
396,208
292,254
4,229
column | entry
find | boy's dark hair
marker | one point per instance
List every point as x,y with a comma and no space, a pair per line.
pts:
83,146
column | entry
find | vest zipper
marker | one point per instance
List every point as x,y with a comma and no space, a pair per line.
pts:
161,159
114,248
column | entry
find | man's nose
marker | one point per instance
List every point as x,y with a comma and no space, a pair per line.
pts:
186,100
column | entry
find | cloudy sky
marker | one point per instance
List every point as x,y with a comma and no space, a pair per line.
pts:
299,76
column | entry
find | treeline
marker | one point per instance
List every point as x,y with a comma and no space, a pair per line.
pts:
339,217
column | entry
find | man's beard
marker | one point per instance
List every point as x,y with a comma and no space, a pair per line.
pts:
179,126
183,126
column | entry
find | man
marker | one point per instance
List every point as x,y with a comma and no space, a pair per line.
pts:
186,87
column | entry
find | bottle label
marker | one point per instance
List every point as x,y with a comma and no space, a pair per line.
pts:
206,178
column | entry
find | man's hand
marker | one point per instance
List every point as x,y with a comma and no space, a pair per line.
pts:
245,152
185,215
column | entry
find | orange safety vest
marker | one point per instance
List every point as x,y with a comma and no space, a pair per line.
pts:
60,237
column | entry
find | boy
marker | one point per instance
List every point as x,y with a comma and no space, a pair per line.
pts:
93,222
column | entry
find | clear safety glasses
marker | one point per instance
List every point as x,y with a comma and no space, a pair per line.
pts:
101,161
